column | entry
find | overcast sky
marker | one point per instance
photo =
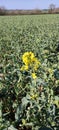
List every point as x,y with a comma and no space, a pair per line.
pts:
28,4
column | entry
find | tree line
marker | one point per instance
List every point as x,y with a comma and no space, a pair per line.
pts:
51,10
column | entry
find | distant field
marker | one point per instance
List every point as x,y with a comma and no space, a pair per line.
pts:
36,35
27,33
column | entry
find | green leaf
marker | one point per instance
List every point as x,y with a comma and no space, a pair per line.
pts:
25,101
56,74
11,128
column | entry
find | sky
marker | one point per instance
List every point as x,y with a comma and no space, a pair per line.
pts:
28,4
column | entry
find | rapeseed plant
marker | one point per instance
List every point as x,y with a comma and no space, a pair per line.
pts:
30,63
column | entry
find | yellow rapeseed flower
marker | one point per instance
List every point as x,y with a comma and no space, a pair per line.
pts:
31,55
37,63
24,67
30,61
27,57
34,76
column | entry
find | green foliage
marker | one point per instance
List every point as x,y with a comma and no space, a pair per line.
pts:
27,102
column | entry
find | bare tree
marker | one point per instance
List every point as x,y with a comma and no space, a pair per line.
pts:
2,10
51,8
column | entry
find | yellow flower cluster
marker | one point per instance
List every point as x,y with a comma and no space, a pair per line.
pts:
30,62
28,58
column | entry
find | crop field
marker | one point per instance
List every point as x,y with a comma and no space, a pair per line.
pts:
29,72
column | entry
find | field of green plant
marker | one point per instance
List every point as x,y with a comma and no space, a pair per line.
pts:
29,72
